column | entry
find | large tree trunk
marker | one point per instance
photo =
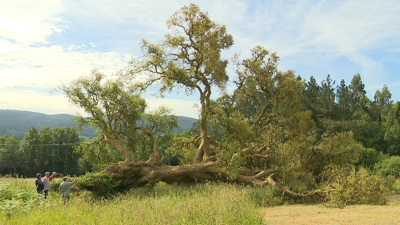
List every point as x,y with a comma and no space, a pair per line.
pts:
132,174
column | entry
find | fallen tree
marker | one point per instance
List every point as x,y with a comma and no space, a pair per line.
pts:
264,138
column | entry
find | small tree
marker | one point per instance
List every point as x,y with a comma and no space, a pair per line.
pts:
116,110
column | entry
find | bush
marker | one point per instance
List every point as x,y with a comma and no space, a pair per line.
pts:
368,158
100,184
389,167
54,184
346,186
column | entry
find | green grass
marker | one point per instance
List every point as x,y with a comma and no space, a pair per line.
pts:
160,204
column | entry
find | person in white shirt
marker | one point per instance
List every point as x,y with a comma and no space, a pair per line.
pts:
46,182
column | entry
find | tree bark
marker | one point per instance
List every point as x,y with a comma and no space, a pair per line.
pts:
132,174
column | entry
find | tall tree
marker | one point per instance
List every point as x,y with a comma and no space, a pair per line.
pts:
64,158
30,146
327,98
382,102
190,57
311,94
357,90
344,100
10,156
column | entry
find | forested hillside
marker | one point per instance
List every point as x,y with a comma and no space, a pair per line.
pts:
19,122
31,142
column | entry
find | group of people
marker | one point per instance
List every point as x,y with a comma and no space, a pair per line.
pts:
44,185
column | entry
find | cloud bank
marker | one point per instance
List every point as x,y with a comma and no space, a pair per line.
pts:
46,43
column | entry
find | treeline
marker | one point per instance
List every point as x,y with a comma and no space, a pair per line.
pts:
46,149
342,107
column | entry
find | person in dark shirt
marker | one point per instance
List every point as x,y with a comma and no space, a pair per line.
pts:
39,183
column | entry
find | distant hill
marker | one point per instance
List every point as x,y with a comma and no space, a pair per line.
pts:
19,122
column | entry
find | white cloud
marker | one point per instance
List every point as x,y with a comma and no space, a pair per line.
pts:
29,22
93,45
303,32
30,100
49,66
179,107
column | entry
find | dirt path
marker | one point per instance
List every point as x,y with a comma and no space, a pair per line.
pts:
319,214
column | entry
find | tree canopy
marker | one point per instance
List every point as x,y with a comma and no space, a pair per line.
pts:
263,132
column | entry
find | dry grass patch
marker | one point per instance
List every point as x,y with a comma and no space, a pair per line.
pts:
319,214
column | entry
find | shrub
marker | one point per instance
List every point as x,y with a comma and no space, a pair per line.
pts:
368,158
100,184
389,167
345,186
54,184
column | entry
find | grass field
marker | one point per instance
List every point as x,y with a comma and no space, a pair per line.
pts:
161,204
199,204
319,214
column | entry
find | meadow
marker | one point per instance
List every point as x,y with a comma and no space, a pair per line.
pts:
209,203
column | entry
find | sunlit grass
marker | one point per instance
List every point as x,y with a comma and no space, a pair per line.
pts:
161,204
188,204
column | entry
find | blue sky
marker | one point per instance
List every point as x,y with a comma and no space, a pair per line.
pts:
46,43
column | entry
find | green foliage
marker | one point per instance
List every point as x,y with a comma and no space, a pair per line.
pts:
396,186
18,197
118,111
392,138
368,158
99,156
47,149
10,154
389,167
345,186
189,57
370,133
55,184
183,147
100,184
